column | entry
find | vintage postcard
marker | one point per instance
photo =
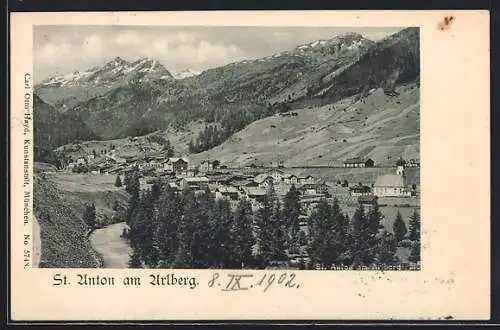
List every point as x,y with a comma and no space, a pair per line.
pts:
250,165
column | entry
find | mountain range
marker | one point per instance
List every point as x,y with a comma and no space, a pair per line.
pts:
120,98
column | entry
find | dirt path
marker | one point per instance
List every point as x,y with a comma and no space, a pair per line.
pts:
37,243
115,251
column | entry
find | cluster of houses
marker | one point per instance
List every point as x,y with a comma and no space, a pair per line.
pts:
236,185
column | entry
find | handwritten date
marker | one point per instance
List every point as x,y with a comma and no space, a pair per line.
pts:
241,282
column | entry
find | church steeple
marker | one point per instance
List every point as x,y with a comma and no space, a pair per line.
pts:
400,167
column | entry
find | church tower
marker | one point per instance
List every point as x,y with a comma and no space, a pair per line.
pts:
400,167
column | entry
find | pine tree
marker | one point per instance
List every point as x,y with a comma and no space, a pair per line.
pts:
126,179
189,227
133,185
399,228
203,235
415,226
264,232
220,241
328,230
279,233
242,232
362,255
89,215
135,260
170,211
386,249
143,229
415,252
291,212
373,223
118,181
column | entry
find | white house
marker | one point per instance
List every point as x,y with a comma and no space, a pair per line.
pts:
175,164
228,192
277,175
264,180
208,165
197,182
290,179
308,179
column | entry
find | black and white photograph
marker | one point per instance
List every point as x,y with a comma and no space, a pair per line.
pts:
207,147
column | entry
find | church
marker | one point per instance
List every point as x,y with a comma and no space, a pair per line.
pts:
392,185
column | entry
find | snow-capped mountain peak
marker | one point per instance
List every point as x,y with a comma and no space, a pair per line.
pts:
186,73
110,72
346,41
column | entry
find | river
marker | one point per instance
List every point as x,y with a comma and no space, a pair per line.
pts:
114,249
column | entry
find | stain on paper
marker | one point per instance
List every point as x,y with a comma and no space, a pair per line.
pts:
445,24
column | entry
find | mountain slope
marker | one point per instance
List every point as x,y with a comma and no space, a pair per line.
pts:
53,129
379,126
65,91
391,61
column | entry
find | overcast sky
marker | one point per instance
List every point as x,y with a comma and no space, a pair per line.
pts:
64,49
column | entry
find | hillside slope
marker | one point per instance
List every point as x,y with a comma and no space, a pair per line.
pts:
63,234
378,126
53,129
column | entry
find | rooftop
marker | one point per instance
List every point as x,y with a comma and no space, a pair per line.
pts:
355,160
196,179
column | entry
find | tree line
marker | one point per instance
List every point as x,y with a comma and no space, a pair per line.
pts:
195,230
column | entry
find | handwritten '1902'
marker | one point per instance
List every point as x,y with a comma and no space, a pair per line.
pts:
240,282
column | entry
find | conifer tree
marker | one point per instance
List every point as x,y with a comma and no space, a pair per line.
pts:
279,233
135,260
220,225
362,254
242,231
415,252
202,235
143,229
328,229
415,226
399,228
170,211
89,215
386,249
264,232
291,213
118,181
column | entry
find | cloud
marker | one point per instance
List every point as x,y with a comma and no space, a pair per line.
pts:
52,53
376,36
92,46
204,52
129,39
160,45
183,36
